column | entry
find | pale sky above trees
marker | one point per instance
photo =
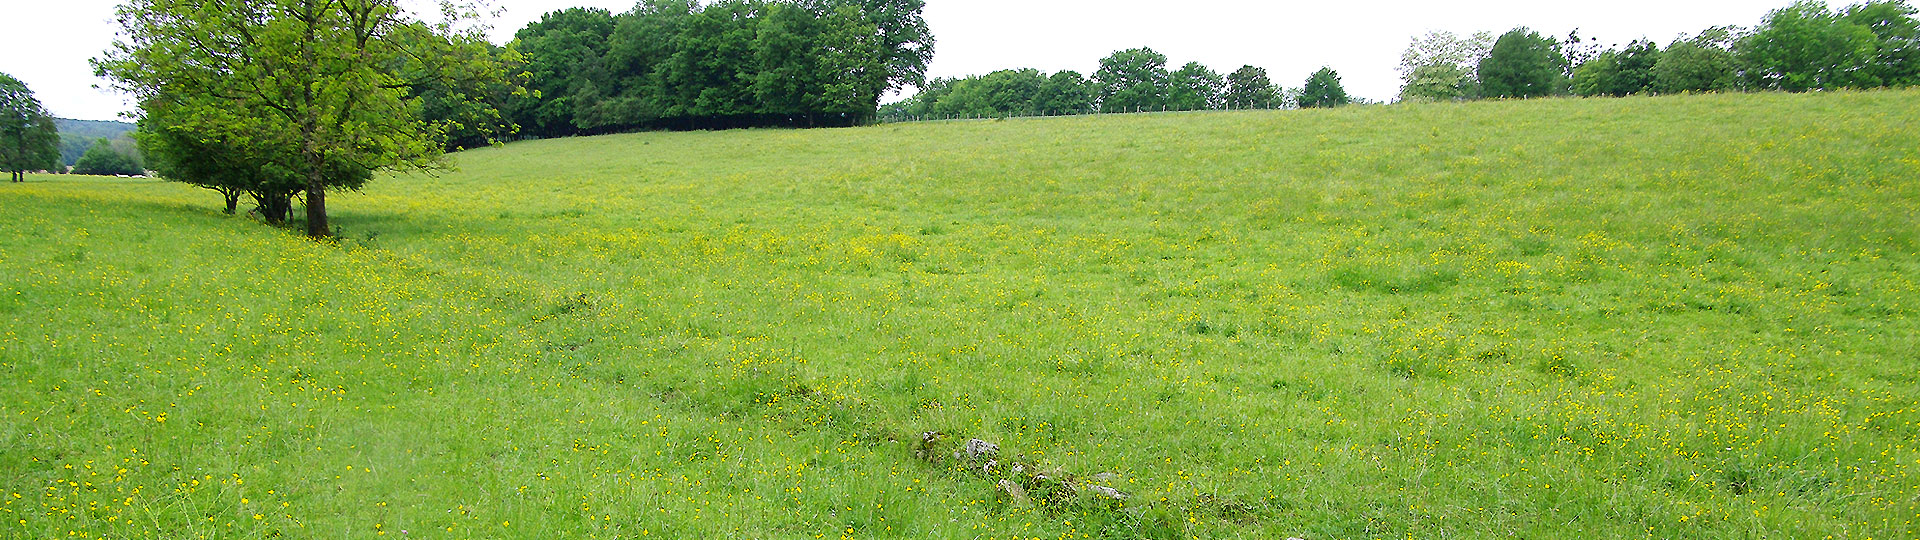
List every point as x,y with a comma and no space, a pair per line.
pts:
47,44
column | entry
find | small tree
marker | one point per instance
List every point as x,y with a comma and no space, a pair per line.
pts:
28,139
1323,90
1523,64
1250,88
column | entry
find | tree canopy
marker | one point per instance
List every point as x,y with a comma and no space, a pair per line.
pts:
1439,66
1323,90
105,159
676,64
1250,88
1523,64
1805,47
1133,79
1703,63
1194,87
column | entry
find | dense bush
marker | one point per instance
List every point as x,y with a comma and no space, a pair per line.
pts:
107,158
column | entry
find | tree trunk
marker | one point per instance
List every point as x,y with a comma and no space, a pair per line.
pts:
317,211
233,200
316,197
274,206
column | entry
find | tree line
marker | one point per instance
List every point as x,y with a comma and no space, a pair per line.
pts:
283,101
1801,47
1130,80
675,64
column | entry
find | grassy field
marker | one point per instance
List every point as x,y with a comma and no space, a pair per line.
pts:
1677,317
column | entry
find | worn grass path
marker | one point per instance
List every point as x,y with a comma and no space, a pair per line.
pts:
1677,317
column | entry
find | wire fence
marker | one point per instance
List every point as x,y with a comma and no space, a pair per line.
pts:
899,118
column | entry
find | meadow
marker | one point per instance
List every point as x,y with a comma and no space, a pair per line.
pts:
1673,317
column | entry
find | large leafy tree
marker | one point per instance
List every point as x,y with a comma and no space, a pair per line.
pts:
1702,63
1439,66
318,83
1250,88
564,50
901,36
1896,59
1133,79
1194,87
1523,64
1805,47
28,139
1323,90
817,67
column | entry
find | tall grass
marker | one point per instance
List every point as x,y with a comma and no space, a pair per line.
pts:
1676,317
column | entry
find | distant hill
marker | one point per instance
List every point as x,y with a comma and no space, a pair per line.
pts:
77,135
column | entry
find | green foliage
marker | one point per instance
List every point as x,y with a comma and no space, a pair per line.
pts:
678,64
1618,73
323,87
78,135
1805,47
1704,63
1523,64
901,37
1323,90
1004,93
1001,93
467,97
1365,322
1438,82
1439,66
180,151
1595,76
28,138
1065,92
105,159
1133,80
1194,87
565,52
1633,69
1250,88
1896,59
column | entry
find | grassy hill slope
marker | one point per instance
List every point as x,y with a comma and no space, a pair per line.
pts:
1678,317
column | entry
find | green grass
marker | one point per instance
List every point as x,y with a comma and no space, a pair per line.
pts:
1679,317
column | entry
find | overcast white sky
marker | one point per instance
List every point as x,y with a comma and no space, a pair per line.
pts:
46,43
